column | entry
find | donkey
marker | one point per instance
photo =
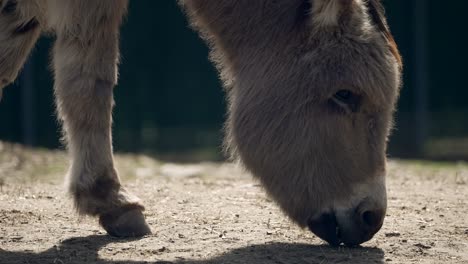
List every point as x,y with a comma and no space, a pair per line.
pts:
311,85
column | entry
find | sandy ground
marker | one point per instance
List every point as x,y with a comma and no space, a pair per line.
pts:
216,213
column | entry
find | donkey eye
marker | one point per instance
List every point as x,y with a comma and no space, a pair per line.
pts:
346,100
344,95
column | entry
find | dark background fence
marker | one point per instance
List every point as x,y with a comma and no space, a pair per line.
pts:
169,99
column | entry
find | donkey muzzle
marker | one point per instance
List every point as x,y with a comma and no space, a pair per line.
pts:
351,228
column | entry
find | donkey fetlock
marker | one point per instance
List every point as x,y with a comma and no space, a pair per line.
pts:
120,213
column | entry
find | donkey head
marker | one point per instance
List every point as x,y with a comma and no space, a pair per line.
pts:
311,114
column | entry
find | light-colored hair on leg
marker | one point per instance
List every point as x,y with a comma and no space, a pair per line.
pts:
85,62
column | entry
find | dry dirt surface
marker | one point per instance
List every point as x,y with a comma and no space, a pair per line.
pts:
215,213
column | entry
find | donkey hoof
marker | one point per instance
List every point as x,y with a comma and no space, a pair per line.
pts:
129,223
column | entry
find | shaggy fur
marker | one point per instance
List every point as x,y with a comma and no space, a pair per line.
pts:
85,58
283,63
15,42
311,84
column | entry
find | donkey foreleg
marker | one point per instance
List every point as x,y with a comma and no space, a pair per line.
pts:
85,65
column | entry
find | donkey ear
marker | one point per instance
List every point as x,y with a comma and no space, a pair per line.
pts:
377,15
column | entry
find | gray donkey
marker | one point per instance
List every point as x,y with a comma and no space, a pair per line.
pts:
311,85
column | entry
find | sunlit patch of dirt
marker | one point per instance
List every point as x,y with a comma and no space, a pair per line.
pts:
216,213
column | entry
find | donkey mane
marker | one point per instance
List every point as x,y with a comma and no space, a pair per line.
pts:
377,14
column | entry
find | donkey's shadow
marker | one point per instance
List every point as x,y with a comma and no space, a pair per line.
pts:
85,250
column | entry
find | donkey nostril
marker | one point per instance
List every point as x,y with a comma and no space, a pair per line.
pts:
371,219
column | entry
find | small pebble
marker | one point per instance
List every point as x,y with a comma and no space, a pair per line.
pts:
392,234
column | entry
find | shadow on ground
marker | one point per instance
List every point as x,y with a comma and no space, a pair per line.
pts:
85,250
